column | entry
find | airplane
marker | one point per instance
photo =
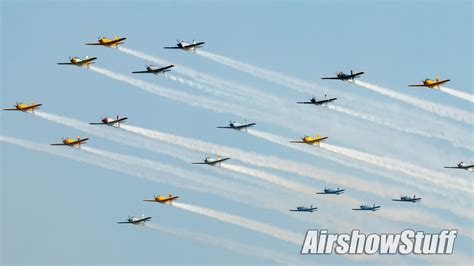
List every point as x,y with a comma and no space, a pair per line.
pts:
432,84
107,42
80,62
186,46
344,77
238,126
310,140
24,107
110,121
154,70
408,199
367,208
332,191
71,142
315,101
135,220
213,162
463,166
304,209
163,200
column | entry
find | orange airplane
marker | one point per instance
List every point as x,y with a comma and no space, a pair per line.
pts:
24,107
163,200
107,42
76,143
310,140
432,84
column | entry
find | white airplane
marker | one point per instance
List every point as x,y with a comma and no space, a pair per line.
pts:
238,126
367,208
186,46
135,220
304,209
463,166
213,162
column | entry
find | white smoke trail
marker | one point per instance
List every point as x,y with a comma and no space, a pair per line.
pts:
444,111
376,120
460,94
270,178
244,222
193,100
412,170
243,249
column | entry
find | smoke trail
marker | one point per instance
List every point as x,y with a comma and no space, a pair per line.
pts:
444,111
244,222
193,100
387,163
439,135
243,249
460,94
270,178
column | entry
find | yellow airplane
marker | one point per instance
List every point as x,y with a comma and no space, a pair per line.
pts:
24,107
432,84
163,200
310,140
76,61
107,42
76,143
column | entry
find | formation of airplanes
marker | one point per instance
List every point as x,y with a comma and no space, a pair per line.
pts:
238,126
24,107
213,161
186,46
76,61
432,84
110,121
76,143
310,140
151,69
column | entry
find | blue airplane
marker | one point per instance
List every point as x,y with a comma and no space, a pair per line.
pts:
408,199
344,77
305,209
332,191
367,208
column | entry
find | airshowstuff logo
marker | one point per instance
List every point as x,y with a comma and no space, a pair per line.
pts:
406,242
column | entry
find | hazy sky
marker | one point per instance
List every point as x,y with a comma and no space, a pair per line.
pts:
60,210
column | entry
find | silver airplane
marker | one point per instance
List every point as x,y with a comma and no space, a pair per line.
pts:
154,70
304,209
367,208
408,199
463,166
238,126
135,220
332,191
213,162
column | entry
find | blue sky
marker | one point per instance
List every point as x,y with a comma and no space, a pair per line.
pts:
58,210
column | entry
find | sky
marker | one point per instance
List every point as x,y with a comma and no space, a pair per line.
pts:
61,205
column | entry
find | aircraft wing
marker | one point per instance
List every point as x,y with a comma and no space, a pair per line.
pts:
194,45
225,127
65,63
78,141
124,222
220,160
244,126
149,200
305,102
59,144
199,163
172,47
32,106
144,71
115,41
168,199
417,85
331,78
97,123
357,74
453,167
440,82
317,140
161,69
94,43
143,220
325,101
296,141
11,109
88,60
